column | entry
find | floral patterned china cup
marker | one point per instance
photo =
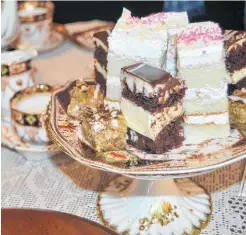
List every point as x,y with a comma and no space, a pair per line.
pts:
28,108
34,27
16,74
28,5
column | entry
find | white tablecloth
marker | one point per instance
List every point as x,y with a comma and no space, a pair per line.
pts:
64,185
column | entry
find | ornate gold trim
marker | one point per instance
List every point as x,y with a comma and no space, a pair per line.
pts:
195,231
237,152
24,118
15,69
33,18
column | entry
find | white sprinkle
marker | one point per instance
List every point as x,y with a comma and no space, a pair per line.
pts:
114,122
133,136
97,117
114,114
76,108
98,126
96,92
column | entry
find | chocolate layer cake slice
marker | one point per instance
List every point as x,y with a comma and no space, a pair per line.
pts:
235,44
152,106
100,40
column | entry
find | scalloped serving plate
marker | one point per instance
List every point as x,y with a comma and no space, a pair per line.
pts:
185,161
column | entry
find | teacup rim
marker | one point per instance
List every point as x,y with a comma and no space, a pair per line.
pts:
35,10
25,56
28,92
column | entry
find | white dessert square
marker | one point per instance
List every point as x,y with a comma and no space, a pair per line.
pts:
134,40
201,55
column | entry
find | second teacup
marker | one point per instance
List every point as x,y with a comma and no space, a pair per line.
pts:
34,27
16,74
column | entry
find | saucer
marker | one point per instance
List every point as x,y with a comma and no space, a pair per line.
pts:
56,39
31,152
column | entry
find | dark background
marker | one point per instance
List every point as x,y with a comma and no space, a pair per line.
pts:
229,14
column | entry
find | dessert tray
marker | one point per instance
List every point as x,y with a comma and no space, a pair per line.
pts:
185,160
153,203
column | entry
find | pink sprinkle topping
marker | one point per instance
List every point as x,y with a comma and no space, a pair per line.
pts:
205,33
132,20
151,19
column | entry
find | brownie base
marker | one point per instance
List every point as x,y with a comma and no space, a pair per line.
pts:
169,138
101,80
151,103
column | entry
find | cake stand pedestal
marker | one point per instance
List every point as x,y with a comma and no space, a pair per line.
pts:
170,207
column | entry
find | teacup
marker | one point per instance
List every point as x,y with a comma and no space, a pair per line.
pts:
28,108
34,27
16,74
27,5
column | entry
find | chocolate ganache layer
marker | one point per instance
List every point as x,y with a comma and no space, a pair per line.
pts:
151,104
170,137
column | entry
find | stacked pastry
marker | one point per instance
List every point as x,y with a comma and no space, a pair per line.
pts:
235,42
152,107
201,64
100,40
134,40
175,21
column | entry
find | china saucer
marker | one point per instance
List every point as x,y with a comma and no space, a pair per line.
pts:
31,152
56,39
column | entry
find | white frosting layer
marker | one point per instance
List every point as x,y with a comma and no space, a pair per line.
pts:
207,92
201,55
237,98
132,37
113,88
124,44
147,123
221,118
116,62
196,60
111,105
